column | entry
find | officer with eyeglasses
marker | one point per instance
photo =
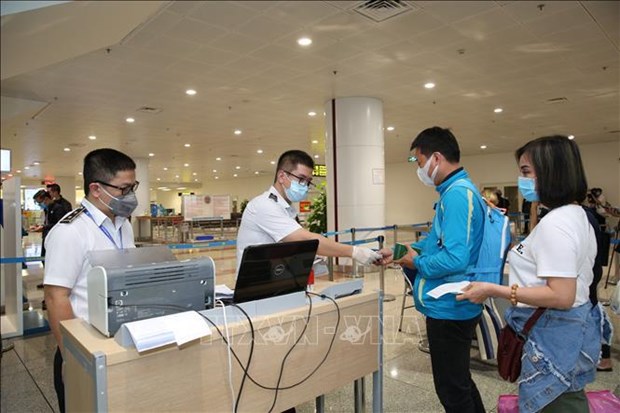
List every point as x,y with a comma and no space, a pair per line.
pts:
271,217
100,223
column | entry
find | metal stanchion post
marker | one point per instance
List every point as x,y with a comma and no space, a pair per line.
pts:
386,297
395,233
353,263
330,268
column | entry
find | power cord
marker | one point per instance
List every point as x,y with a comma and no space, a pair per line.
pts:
230,383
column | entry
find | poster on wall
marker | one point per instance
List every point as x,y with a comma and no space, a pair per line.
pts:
205,206
304,206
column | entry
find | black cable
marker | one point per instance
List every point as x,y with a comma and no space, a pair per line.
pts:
303,331
247,366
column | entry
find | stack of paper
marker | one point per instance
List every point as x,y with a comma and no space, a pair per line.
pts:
222,292
161,331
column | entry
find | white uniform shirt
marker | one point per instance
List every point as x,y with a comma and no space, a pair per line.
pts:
563,244
266,219
67,245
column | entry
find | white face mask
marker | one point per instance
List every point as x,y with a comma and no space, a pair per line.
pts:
423,173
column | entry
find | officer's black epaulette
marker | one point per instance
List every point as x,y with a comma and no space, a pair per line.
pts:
72,215
274,197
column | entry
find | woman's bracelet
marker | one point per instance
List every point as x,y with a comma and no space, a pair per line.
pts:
513,294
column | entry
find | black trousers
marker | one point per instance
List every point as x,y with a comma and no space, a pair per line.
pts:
59,385
450,343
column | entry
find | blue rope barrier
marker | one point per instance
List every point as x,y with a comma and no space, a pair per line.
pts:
19,260
374,229
331,233
360,241
203,245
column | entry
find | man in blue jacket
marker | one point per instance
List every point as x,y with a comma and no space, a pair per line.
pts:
452,245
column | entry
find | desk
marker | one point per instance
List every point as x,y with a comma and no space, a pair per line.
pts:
100,375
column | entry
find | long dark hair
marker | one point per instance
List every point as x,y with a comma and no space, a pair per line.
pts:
560,177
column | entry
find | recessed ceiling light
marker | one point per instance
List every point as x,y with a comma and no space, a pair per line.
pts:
390,128
498,110
304,41
165,169
176,176
130,120
77,187
259,151
10,175
190,92
571,137
483,146
19,171
311,113
315,141
35,163
217,177
186,165
67,149
194,173
256,172
181,187
195,180
429,85
316,156
26,167
218,159
92,137
234,175
237,167
187,145
151,154
80,173
214,171
159,179
273,162
238,132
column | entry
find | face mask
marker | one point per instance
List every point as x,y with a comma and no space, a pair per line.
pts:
42,205
423,173
527,187
296,192
122,206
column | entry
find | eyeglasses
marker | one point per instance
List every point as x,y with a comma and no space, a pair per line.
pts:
412,159
124,189
302,180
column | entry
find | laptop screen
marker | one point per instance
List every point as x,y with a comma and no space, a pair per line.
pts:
269,270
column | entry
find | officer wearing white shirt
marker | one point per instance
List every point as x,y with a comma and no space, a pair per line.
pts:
99,223
270,217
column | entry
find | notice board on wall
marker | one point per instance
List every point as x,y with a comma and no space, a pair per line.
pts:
205,206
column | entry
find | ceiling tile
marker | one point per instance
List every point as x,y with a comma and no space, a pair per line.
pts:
266,28
223,14
195,31
302,13
451,11
524,11
237,43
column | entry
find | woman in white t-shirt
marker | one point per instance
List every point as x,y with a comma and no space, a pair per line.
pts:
552,268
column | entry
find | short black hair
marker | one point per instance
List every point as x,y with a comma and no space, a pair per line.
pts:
560,177
103,165
53,187
41,193
290,159
440,140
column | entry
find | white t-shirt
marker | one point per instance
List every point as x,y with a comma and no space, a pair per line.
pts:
67,245
266,219
563,244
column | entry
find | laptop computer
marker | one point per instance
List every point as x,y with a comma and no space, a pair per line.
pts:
269,270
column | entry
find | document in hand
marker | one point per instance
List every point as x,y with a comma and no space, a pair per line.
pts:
454,288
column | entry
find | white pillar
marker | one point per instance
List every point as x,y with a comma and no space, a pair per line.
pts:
355,164
143,195
67,188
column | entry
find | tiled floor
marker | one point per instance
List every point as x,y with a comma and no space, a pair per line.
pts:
26,383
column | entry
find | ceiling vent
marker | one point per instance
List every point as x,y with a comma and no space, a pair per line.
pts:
554,101
381,10
151,110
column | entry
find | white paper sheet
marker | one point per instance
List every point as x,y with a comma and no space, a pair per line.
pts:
161,331
222,291
454,288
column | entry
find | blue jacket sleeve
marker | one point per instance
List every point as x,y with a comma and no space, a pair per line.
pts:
457,223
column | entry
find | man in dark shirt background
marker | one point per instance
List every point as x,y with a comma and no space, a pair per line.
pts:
54,191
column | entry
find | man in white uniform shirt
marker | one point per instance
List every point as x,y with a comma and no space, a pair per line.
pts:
100,223
270,217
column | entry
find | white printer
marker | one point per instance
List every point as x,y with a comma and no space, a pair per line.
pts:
139,283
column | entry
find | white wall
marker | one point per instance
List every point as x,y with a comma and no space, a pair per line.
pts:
408,201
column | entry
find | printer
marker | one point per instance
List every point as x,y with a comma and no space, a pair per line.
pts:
140,283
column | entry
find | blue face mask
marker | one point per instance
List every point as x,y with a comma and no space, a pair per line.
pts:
42,205
296,192
527,187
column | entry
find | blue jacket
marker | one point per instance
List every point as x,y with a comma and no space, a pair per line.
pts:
446,254
560,354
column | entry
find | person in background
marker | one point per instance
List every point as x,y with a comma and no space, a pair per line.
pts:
451,246
270,217
100,223
552,268
54,191
502,203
